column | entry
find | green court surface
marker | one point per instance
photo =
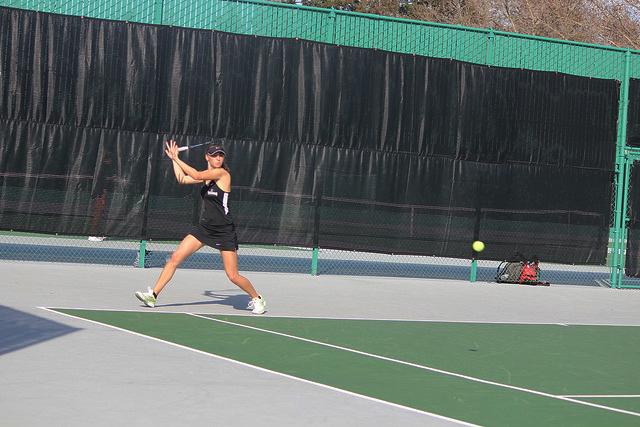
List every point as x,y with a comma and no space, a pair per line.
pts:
487,374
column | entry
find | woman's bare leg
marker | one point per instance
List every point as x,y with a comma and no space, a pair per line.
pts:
230,262
187,247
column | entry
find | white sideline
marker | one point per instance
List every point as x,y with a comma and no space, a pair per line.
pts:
215,356
428,368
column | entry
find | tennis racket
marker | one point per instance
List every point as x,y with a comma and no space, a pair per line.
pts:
188,147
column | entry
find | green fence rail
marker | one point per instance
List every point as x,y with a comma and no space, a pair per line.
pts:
475,45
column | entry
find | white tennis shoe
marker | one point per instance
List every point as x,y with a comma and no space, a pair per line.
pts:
257,305
147,297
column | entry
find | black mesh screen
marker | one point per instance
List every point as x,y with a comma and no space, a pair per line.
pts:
332,146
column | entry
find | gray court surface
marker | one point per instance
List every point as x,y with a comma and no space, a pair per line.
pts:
57,370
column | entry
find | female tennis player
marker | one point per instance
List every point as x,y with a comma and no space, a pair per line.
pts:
215,228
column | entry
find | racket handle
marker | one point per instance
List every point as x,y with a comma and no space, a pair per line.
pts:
185,148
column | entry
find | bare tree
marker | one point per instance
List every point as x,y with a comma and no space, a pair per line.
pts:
561,19
609,22
619,23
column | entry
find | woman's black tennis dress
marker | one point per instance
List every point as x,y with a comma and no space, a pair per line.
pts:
215,228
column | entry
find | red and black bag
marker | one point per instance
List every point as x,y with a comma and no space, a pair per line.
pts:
520,270
529,273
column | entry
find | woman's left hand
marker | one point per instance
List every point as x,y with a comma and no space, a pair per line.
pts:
171,149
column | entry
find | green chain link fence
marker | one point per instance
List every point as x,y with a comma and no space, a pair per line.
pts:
480,46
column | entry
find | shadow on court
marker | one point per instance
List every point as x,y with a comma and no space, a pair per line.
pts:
19,330
237,301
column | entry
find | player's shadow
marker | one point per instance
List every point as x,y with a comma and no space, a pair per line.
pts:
19,329
237,301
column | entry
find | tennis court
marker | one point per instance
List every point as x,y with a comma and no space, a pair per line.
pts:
332,350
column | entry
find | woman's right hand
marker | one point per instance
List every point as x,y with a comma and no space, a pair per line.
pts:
171,149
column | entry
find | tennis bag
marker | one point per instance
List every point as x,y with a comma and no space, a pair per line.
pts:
520,270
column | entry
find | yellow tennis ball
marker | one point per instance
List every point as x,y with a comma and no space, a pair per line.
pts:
477,246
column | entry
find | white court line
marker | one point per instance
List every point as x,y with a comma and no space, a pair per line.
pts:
381,319
215,356
601,395
427,368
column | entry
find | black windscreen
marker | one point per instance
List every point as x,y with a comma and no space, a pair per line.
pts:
331,146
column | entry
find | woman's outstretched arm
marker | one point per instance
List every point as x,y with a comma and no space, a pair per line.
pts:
181,177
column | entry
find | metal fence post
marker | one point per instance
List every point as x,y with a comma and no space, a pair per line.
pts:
331,31
623,222
622,174
141,253
314,262
473,274
490,47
